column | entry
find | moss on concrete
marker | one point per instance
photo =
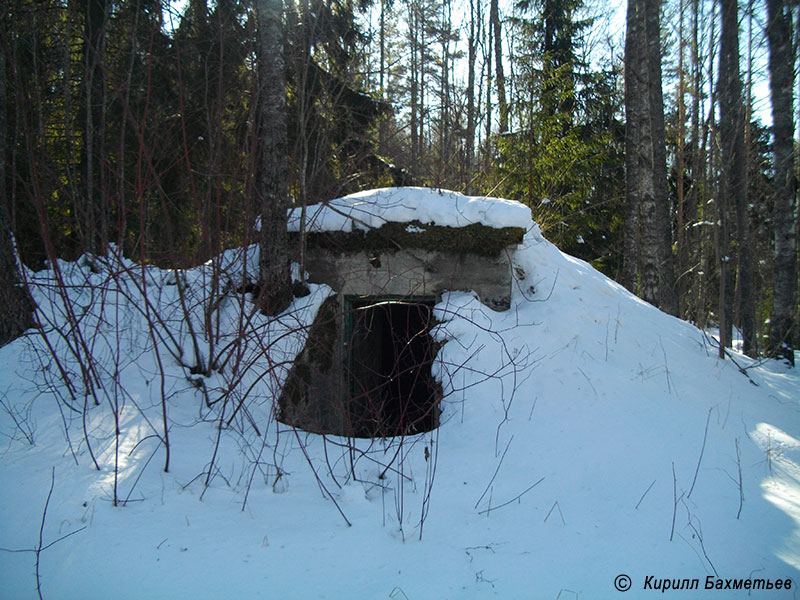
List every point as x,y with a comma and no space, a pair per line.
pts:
472,239
315,361
322,336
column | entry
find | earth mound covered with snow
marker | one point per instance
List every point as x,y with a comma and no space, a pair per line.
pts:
585,435
372,208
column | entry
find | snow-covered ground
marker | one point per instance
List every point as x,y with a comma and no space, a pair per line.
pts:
585,436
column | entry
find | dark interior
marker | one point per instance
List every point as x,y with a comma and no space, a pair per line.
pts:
390,354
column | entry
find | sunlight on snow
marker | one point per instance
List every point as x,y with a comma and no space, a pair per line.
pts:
132,432
782,486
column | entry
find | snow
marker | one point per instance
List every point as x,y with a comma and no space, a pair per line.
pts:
585,435
372,208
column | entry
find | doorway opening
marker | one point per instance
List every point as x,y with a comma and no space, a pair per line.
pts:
389,354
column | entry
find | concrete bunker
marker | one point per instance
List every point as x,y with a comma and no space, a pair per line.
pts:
365,370
389,354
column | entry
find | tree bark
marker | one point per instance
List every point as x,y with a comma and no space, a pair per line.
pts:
413,33
733,186
680,159
17,306
445,153
470,140
636,150
95,217
272,175
487,62
781,63
661,224
693,241
16,316
382,76
648,238
494,16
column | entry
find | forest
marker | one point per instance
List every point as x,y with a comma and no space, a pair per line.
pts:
658,143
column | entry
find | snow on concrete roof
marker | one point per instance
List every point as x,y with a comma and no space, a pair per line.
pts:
372,208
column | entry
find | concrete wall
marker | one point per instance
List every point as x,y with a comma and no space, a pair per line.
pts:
315,396
413,273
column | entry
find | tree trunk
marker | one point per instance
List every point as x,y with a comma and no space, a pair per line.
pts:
470,141
494,16
694,234
636,150
733,184
382,77
781,63
680,159
445,156
272,177
648,230
710,154
487,61
661,224
413,33
15,317
95,218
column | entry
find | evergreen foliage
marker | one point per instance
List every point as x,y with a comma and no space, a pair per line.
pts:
564,157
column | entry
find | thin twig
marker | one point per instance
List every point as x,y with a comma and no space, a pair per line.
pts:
319,479
558,506
499,464
700,458
741,490
643,495
514,499
589,381
675,500
699,535
41,531
666,366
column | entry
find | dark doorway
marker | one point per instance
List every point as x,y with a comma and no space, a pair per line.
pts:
390,352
